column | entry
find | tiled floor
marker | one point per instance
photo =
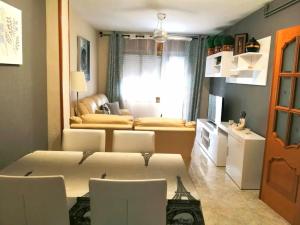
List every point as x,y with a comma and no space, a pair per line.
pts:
222,202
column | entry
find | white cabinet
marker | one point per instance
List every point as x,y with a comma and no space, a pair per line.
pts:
242,153
212,140
245,158
219,64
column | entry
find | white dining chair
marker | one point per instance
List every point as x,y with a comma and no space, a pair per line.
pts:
85,140
133,141
116,202
33,201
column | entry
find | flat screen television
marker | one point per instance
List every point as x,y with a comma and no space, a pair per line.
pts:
215,104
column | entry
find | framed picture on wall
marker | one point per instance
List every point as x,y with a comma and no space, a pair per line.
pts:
240,41
10,35
83,57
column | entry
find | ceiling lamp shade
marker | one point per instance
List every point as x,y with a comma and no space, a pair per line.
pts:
160,35
78,82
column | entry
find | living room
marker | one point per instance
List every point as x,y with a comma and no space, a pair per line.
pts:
117,103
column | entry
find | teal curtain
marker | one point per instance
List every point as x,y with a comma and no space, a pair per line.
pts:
113,89
197,60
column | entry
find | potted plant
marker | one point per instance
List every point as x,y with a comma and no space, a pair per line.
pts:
218,44
227,43
210,45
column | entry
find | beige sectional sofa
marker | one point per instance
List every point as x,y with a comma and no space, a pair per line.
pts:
171,135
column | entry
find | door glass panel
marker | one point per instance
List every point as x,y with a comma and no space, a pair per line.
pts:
295,131
284,91
297,95
288,57
281,125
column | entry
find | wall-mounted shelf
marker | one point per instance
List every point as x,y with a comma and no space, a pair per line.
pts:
251,67
219,64
249,55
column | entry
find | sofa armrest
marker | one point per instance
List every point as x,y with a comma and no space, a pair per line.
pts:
75,120
125,112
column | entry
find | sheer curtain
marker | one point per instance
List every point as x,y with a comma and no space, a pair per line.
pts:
147,77
175,79
140,78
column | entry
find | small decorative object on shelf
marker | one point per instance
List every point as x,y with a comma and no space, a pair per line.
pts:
242,122
218,44
210,45
240,41
252,45
227,43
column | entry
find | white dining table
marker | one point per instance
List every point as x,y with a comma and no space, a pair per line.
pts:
113,165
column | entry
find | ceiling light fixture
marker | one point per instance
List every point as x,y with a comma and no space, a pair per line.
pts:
160,35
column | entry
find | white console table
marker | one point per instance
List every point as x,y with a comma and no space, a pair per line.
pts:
241,153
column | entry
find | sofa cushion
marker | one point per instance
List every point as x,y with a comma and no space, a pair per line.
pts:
105,109
102,126
167,129
114,108
106,119
159,122
100,99
87,106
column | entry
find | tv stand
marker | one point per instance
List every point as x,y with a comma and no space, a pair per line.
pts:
212,138
241,153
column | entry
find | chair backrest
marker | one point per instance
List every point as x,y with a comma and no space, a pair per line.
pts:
116,202
33,201
83,140
133,141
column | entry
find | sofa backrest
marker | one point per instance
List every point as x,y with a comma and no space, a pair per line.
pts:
89,105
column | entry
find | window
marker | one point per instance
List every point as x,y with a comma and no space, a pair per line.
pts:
147,77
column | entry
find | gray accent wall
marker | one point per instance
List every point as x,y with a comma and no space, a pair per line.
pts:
254,99
23,89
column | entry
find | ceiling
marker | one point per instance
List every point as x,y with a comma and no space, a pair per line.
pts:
183,16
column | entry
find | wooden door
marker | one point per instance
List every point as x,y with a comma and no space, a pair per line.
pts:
281,173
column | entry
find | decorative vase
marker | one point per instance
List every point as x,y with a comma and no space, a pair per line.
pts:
227,48
218,49
252,45
210,51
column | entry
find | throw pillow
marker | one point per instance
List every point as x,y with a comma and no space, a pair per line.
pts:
114,108
105,108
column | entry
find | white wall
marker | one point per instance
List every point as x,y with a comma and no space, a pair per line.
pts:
78,27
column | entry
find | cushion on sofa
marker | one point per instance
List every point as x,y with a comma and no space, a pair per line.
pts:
100,99
114,108
159,122
87,106
106,119
105,109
